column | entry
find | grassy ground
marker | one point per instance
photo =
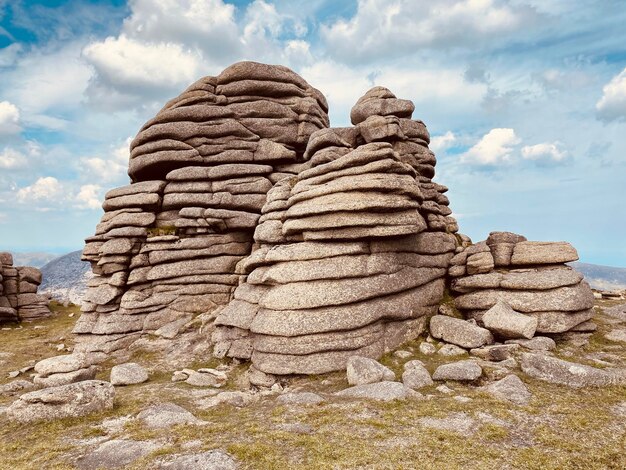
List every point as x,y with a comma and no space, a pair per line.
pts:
561,428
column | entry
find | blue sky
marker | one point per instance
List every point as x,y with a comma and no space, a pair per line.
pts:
525,100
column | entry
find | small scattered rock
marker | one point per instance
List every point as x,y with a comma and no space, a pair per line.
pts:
427,348
259,378
128,374
13,374
444,389
200,379
496,353
467,370
450,350
415,375
179,376
363,370
166,415
510,388
402,354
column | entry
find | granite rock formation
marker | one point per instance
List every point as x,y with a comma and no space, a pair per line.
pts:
168,244
530,277
351,253
18,292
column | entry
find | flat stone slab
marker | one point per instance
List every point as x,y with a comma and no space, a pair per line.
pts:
167,415
459,423
381,391
464,371
116,454
511,388
571,374
211,460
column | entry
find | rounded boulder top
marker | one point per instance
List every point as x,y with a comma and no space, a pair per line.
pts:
249,113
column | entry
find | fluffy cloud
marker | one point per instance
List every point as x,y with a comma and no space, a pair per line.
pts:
208,25
441,142
612,105
89,196
9,118
134,68
381,28
109,170
545,152
11,159
494,148
45,189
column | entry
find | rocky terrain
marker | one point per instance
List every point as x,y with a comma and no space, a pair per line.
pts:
19,299
270,292
65,278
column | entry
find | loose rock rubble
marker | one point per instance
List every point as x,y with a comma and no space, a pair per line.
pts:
18,292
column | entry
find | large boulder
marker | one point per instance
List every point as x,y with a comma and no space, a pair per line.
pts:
459,332
506,322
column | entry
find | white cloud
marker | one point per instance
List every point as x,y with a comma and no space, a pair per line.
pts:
208,25
89,196
545,152
9,118
381,28
109,170
612,105
126,64
493,148
11,159
441,142
45,189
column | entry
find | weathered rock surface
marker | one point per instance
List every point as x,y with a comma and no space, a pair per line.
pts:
467,370
116,453
166,415
351,252
65,401
530,277
571,374
168,244
459,332
510,388
18,292
211,460
363,370
415,375
130,373
507,323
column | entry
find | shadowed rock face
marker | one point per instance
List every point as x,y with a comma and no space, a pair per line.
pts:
168,244
530,277
18,292
351,253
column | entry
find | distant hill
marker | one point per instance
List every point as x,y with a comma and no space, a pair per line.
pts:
34,259
602,277
65,278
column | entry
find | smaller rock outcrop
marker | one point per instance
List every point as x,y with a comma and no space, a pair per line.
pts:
18,292
514,275
65,401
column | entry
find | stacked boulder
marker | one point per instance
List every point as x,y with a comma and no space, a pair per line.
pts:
507,279
18,292
351,253
168,244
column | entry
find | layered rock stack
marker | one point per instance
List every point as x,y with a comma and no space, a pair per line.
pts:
18,292
528,277
168,243
352,252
